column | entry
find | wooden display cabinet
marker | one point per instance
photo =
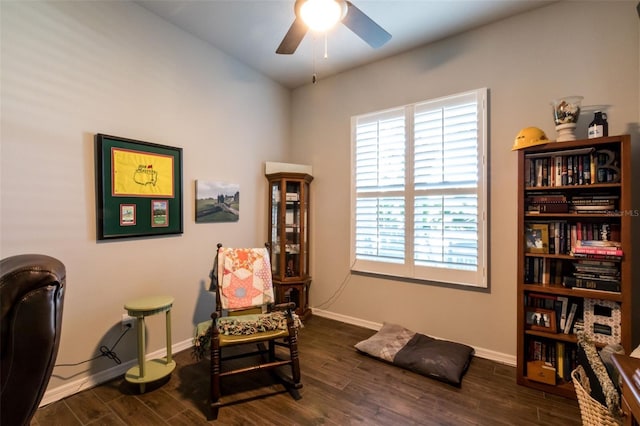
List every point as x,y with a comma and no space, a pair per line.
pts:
289,238
574,248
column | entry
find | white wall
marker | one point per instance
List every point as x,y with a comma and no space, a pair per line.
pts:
74,69
586,48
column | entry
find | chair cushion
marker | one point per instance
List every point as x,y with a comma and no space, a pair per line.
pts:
439,359
251,324
243,329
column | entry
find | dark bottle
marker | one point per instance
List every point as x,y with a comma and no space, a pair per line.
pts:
599,127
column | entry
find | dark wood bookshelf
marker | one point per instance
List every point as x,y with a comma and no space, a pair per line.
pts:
529,188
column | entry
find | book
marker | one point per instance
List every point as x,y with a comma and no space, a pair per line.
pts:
596,263
587,161
557,306
560,359
564,300
598,243
570,318
545,172
538,166
592,284
546,271
557,175
596,256
570,180
608,251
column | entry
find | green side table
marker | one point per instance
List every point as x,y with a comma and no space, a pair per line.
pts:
151,370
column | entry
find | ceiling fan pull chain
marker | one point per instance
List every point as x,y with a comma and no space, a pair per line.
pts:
314,76
326,50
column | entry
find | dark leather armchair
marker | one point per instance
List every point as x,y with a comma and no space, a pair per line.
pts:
31,300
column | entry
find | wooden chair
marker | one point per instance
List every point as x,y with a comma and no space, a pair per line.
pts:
246,314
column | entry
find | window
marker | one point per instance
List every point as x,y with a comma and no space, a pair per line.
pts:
419,191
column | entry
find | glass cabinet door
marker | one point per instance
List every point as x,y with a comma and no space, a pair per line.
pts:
304,232
274,234
288,229
292,226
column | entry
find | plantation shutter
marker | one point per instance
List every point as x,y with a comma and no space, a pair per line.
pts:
419,191
446,184
380,182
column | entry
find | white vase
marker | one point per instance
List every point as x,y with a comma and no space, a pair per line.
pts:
566,112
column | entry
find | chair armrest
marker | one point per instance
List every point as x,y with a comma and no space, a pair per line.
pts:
288,306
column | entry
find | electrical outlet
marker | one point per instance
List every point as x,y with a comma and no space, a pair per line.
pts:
127,321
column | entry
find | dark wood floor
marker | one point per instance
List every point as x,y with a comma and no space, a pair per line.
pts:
341,387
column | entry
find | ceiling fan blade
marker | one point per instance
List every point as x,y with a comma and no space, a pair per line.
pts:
365,27
292,39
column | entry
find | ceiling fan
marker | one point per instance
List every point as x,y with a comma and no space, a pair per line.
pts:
352,17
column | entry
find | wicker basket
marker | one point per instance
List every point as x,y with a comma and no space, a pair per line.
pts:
592,412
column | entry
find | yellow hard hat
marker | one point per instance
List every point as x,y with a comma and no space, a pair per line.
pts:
528,137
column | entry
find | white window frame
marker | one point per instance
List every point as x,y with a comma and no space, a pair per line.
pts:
406,268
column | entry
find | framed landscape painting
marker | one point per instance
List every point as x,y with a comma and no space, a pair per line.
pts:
217,201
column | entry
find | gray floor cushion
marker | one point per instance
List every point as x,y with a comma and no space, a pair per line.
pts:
439,359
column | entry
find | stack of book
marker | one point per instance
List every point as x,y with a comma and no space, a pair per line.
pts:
603,249
591,274
594,203
547,203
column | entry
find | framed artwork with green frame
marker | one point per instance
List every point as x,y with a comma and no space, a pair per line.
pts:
138,188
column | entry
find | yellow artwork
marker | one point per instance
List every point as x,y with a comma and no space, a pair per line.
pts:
141,174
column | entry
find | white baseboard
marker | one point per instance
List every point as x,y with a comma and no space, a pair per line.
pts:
68,389
479,352
347,319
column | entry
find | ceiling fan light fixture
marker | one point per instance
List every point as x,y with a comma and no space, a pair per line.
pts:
331,12
321,15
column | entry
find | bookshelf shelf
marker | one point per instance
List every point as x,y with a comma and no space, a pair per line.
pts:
556,336
574,252
564,256
564,291
572,187
573,215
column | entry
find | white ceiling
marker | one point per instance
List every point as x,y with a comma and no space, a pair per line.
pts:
251,30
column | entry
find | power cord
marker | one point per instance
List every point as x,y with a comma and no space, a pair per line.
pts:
336,294
104,351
